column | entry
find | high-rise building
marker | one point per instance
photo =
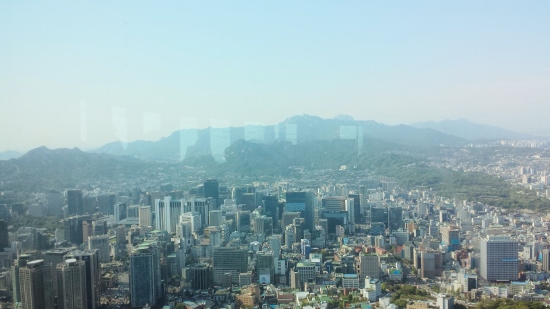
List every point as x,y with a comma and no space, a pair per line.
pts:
75,203
431,263
395,218
4,239
145,280
199,275
450,236
265,268
229,260
302,202
499,258
215,218
35,286
212,189
71,285
445,301
201,206
101,243
367,265
167,213
93,275
120,212
545,259
145,219
51,259
243,221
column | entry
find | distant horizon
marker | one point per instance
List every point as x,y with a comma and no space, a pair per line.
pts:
216,125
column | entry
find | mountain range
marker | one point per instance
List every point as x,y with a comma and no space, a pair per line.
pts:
474,131
190,143
305,141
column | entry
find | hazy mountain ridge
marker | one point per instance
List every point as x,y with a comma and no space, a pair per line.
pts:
9,154
475,131
43,168
297,129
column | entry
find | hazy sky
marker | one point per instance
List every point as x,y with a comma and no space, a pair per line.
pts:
84,73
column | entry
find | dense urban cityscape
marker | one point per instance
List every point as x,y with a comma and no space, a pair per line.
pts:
326,238
274,154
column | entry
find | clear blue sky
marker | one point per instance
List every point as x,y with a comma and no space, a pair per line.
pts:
84,73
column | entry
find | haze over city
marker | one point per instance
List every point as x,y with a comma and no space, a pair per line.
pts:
72,73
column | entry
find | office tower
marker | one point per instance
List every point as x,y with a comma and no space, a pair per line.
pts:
16,284
289,236
100,227
215,218
145,216
445,301
545,260
4,239
51,259
367,265
145,279
395,218
333,209
303,203
71,284
132,211
200,205
120,234
101,243
379,214
275,245
431,263
36,286
87,229
350,209
259,225
212,189
243,221
356,207
199,275
265,268
72,229
499,258
249,201
74,202
229,260
167,213
194,219
91,260
450,236
305,248
120,212
288,218
106,203
270,205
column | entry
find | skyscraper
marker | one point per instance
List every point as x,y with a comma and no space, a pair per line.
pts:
229,260
101,243
120,212
4,239
167,213
91,260
212,189
145,219
35,288
71,285
450,236
145,283
74,202
499,258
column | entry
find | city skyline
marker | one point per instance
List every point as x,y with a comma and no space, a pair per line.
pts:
83,75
